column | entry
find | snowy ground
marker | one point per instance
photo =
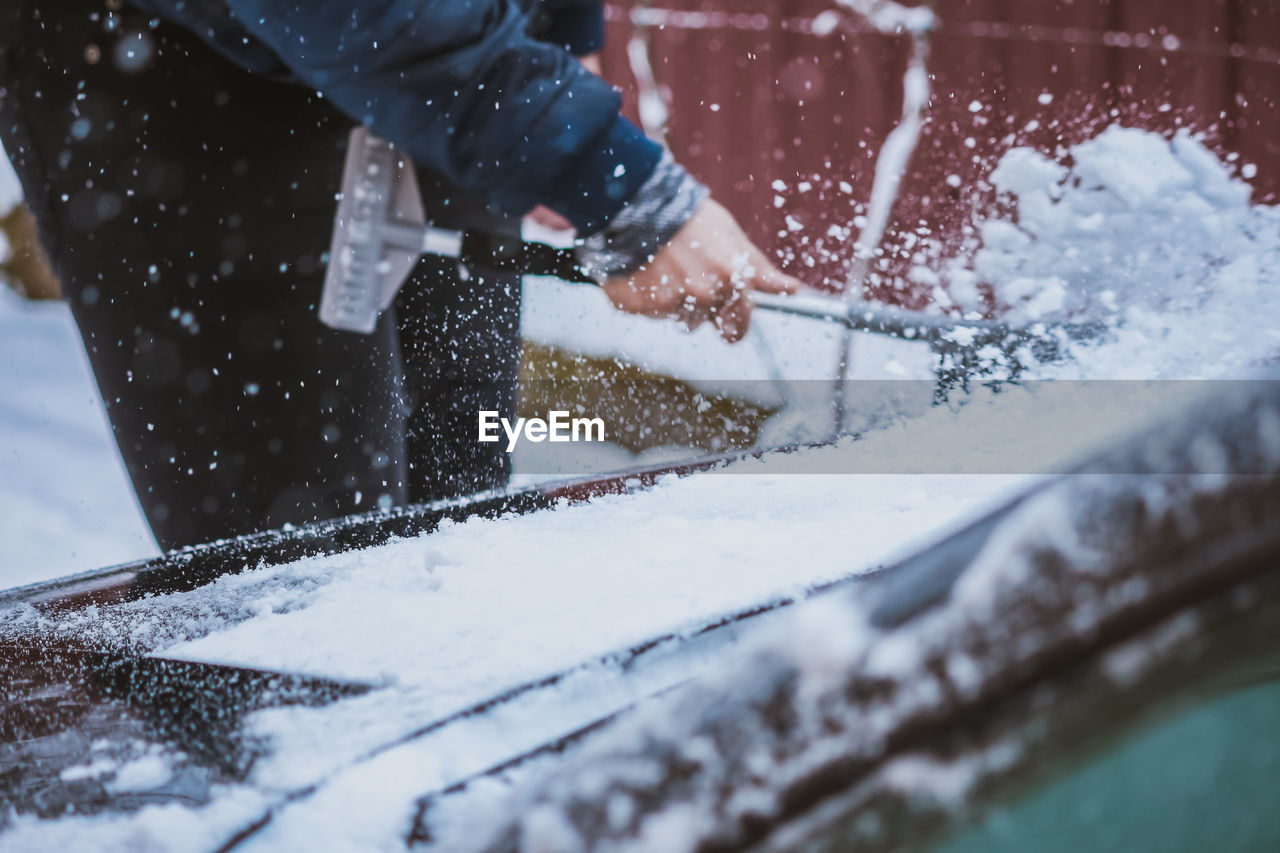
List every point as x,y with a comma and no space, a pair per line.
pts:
10,195
458,615
65,504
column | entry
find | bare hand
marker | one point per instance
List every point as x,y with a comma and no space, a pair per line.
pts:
549,219
706,272
591,62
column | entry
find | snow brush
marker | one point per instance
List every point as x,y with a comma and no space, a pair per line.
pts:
380,232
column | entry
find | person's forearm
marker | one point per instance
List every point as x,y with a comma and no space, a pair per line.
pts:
468,93
575,25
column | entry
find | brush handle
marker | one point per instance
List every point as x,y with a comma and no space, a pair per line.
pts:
511,254
948,333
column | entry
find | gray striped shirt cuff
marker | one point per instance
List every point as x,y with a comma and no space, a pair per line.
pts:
659,208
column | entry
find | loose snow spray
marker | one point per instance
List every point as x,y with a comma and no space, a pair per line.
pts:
1155,236
1179,273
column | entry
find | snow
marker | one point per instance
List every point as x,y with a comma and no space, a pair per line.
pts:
841,700
1154,235
92,770
10,189
147,772
10,197
172,828
619,569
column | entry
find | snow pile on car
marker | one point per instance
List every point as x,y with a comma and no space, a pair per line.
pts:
1155,235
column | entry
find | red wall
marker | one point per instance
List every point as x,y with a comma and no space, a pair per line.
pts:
794,105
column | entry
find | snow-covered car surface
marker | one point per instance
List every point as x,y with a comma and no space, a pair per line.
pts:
444,623
881,717
392,693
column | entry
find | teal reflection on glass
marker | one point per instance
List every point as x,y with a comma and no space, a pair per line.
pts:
1208,780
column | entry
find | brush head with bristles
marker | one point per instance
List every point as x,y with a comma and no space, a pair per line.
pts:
354,280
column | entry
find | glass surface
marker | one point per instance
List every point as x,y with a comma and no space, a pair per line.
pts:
1208,780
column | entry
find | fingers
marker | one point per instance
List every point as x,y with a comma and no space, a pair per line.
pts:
733,318
638,295
775,281
768,278
691,314
548,218
698,299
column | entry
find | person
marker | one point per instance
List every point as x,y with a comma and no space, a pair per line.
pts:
182,158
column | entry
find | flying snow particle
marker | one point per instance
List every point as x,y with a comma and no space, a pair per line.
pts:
825,23
133,52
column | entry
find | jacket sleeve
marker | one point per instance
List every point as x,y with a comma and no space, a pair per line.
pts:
575,25
464,88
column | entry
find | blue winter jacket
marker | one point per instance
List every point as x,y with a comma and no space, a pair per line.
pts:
485,92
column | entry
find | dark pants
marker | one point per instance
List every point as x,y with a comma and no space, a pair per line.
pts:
187,206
